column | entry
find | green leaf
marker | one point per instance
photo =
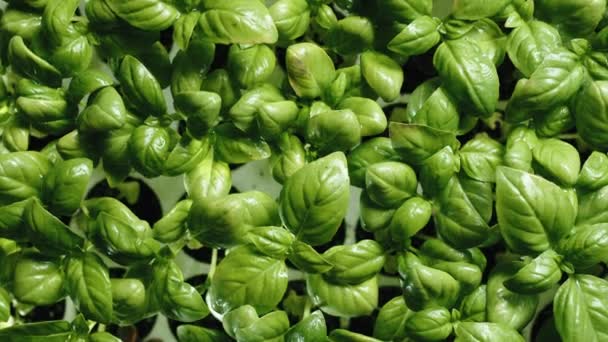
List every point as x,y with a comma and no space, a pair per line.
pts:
291,18
334,130
382,74
105,111
374,150
581,313
307,259
128,300
390,183
290,158
372,119
190,67
46,108
554,122
311,328
554,82
586,247
406,10
103,337
201,108
244,112
530,43
252,23
37,281
178,300
539,275
351,35
477,9
411,217
557,160
437,170
591,115
276,118
485,332
88,284
490,39
423,286
435,250
194,333
50,331
17,22
16,134
247,277
314,200
251,65
354,264
186,155
172,226
459,221
432,324
140,87
149,148
473,306
65,185
270,327
468,275
235,147
309,69
480,156
184,27
574,18
468,75
150,15
532,212
505,307
209,179
28,64
343,300
5,305
47,232
343,335
416,38
272,241
416,143
225,222
72,57
594,173
391,320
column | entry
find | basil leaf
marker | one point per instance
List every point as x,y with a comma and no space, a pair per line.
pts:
128,300
369,152
17,22
354,264
594,174
429,324
458,63
309,69
566,169
554,122
382,74
270,327
150,15
149,147
194,333
272,241
224,222
473,306
21,175
201,108
477,9
334,130
416,143
406,10
253,23
290,158
88,284
437,170
539,275
243,113
105,111
238,318
485,332
314,200
51,331
178,300
141,88
505,307
480,156
425,287
247,277
372,119
235,147
343,335
186,155
586,247
580,310
311,328
391,320
251,65
183,29
291,18
47,232
5,305
172,226
351,35
275,118
190,67
28,64
374,217
411,217
533,213
65,185
38,281
209,179
468,275
590,114
103,337
577,18
416,38
343,300
459,221
557,78
307,259
530,43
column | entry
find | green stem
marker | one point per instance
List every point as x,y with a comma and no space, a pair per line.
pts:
307,307
344,322
101,327
213,263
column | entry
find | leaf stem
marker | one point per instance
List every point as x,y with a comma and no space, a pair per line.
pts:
307,307
213,263
344,322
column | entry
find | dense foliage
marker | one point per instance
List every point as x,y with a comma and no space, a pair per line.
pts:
476,140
